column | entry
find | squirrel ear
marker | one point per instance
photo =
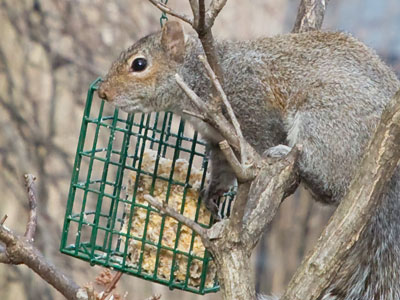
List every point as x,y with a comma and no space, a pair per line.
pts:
173,40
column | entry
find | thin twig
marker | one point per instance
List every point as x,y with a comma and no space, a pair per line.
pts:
165,209
195,115
32,197
196,100
201,26
3,219
215,7
4,258
242,173
217,120
194,5
221,93
310,15
20,251
155,297
112,285
90,292
168,10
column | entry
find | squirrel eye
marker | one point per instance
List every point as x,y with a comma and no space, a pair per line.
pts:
139,64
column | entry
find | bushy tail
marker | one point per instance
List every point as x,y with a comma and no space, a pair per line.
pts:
371,269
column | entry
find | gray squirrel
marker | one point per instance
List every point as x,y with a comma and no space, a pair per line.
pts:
324,91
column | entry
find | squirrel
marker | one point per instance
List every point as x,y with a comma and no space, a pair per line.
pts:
322,90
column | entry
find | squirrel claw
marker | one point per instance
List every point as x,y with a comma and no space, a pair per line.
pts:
211,198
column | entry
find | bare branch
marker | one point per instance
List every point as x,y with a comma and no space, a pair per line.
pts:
238,210
165,209
2,221
168,10
87,292
3,255
194,5
215,7
20,251
221,93
155,297
112,285
267,192
207,40
310,15
193,114
216,119
243,173
196,100
4,258
377,166
201,26
32,197
244,147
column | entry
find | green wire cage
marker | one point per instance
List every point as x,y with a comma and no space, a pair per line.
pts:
120,158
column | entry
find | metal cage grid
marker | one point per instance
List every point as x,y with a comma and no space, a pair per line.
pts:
111,144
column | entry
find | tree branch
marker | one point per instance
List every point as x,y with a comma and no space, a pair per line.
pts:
237,167
112,285
168,10
169,211
19,250
201,26
194,5
377,167
194,115
2,221
245,148
32,197
245,172
267,192
216,119
3,255
215,7
238,209
203,29
310,15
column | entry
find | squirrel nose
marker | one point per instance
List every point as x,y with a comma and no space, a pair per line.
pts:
104,93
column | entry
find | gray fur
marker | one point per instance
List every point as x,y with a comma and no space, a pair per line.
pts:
265,297
325,91
277,151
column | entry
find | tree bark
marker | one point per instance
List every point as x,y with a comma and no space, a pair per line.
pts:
235,273
310,15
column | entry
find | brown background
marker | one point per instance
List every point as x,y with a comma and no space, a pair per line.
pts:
50,50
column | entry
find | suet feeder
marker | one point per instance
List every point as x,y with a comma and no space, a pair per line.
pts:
121,158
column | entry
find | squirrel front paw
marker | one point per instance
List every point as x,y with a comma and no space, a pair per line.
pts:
277,151
211,197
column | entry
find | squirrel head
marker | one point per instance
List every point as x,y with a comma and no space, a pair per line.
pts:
142,74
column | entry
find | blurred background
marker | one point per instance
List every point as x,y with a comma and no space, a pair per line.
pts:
51,50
